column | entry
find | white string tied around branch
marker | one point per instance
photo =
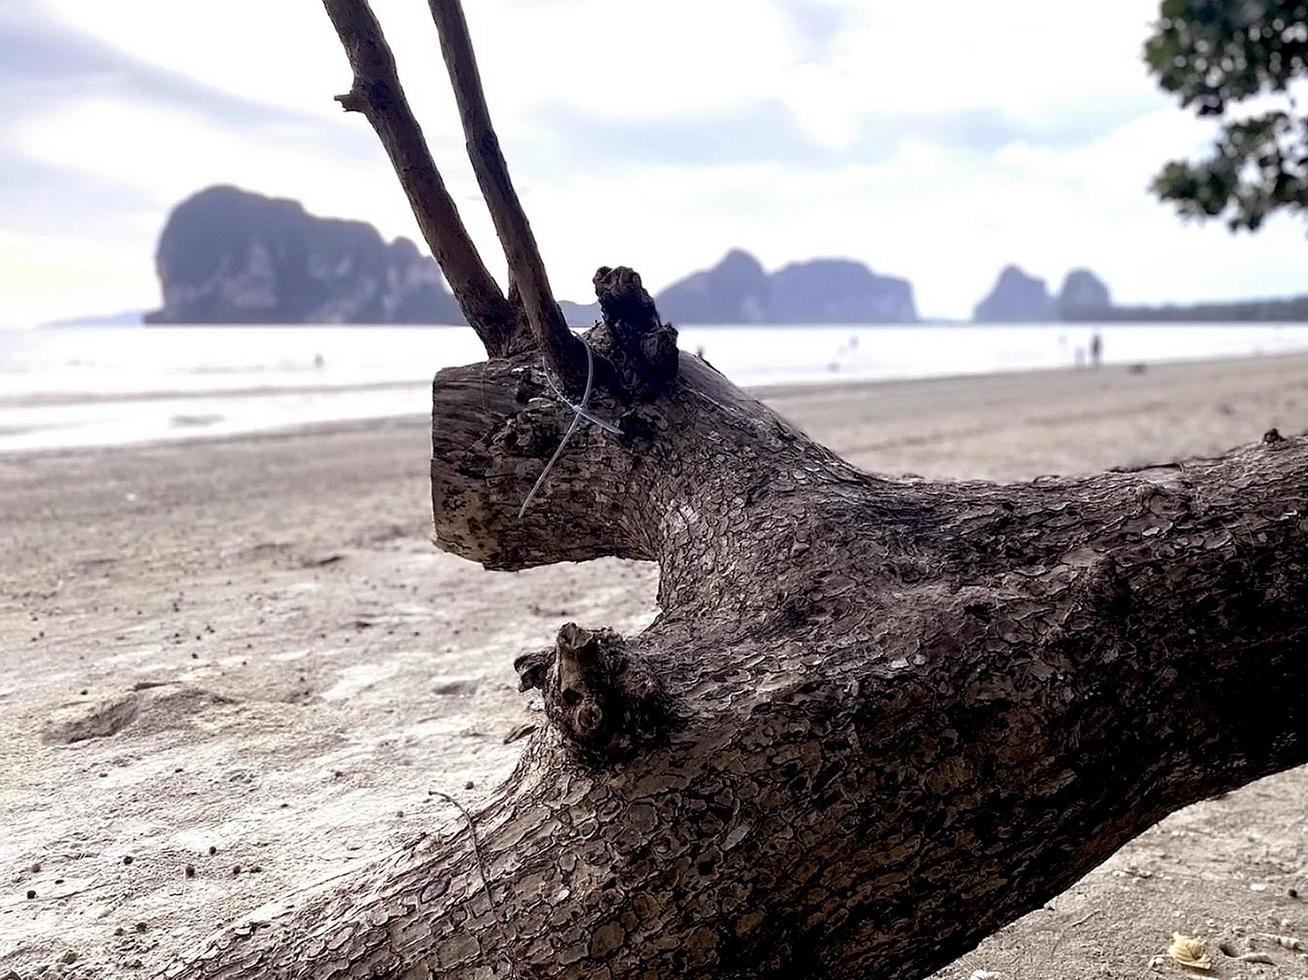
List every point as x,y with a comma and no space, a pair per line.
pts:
580,410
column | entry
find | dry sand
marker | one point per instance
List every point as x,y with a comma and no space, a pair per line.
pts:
245,654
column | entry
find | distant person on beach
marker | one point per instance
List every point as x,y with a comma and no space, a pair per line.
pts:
1096,349
318,361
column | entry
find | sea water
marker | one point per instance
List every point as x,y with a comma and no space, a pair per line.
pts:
69,386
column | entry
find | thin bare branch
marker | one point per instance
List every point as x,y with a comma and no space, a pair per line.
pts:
378,95
561,349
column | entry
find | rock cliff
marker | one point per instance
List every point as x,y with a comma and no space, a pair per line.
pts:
738,290
1083,296
1020,298
1016,298
230,256
838,291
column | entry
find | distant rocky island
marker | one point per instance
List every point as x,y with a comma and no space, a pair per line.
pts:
231,256
1020,298
738,290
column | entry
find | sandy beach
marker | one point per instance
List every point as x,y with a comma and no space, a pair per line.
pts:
231,669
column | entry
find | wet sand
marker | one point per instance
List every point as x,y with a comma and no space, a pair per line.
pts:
245,653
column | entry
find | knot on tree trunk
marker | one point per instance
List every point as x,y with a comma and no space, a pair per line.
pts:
641,348
367,96
353,101
606,702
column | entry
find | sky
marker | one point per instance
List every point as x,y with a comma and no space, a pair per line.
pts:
936,142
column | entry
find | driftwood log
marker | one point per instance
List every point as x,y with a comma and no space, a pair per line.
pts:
876,719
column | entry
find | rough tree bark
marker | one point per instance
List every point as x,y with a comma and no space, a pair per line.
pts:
876,719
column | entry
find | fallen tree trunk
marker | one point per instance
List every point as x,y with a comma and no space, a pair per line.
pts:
876,719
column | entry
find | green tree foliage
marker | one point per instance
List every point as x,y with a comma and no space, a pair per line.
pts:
1216,55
